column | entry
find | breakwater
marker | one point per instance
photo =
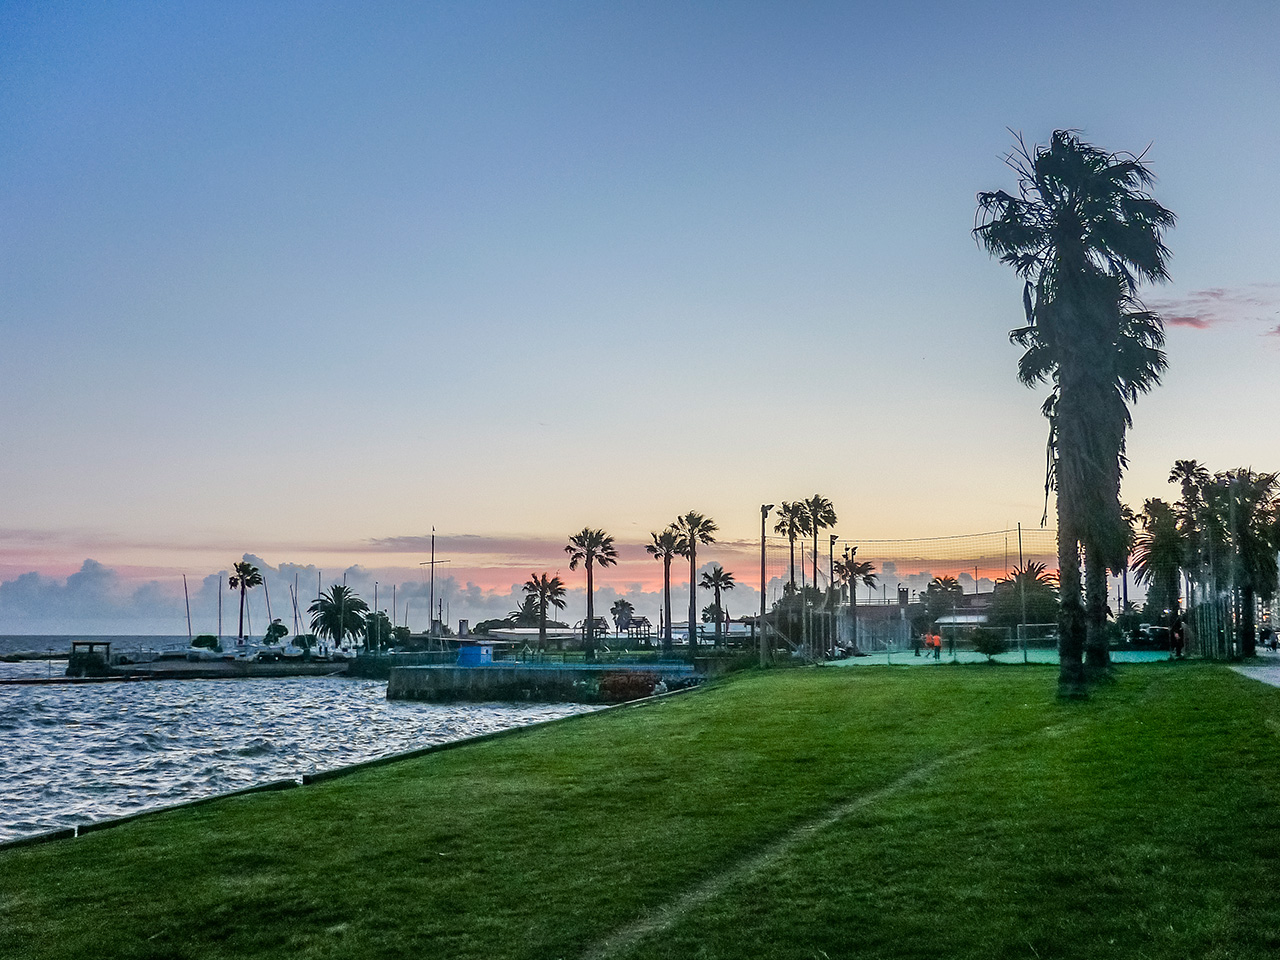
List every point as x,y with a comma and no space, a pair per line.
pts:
538,683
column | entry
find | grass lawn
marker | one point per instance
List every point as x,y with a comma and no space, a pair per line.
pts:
955,812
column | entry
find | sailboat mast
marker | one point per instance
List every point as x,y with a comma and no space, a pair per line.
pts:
187,597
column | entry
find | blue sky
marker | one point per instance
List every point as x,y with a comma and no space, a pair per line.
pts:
295,279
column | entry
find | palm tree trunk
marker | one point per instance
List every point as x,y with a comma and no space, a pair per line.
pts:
793,563
1071,626
853,611
717,616
589,634
666,601
693,598
815,556
1097,654
542,621
1248,644
242,589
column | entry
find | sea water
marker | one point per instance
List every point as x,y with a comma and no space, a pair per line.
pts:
73,754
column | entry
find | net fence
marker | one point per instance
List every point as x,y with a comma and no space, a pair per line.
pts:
814,615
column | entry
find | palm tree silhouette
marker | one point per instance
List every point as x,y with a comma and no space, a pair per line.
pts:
664,547
1158,552
621,611
246,577
717,579
338,614
793,522
821,514
546,591
1248,507
692,529
1139,363
590,547
853,571
1082,233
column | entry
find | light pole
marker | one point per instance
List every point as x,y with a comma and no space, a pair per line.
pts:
831,582
764,514
849,554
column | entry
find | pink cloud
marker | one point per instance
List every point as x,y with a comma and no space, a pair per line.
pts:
1202,309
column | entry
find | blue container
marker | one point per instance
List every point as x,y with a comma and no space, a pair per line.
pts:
475,654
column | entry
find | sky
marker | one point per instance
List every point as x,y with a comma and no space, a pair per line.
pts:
304,281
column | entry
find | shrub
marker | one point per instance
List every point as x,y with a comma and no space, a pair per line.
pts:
988,642
627,685
208,641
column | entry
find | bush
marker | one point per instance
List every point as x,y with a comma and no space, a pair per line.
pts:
208,641
627,685
988,642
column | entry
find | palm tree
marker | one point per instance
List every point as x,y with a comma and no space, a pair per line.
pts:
1158,553
853,571
1139,361
692,529
717,579
1081,233
590,547
821,515
547,591
621,611
246,577
338,614
793,522
525,615
664,547
1028,594
1249,507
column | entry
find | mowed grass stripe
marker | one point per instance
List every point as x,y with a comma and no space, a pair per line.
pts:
542,845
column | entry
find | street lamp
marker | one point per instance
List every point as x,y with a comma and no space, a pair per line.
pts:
764,514
835,592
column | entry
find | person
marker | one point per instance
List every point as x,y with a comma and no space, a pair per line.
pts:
1179,638
937,646
915,644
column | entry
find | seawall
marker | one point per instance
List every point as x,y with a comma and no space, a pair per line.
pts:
537,683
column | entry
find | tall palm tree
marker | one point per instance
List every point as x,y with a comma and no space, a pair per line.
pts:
692,529
853,571
1082,233
547,591
1249,508
589,548
664,547
1193,478
821,514
717,579
1139,361
246,577
338,614
1158,552
793,522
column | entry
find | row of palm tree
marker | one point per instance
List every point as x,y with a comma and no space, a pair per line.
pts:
803,518
1223,533
335,614
1083,233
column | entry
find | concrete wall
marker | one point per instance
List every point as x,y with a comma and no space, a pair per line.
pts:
537,684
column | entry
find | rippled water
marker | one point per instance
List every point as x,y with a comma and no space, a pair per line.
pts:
73,754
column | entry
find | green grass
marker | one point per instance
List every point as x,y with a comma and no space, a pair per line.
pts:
959,812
